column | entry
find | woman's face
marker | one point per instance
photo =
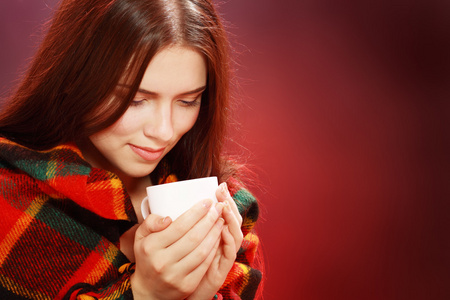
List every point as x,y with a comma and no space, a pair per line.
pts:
164,109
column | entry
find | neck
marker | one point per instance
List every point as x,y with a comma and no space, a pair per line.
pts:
136,189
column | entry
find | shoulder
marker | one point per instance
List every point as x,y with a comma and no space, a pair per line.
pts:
245,201
58,161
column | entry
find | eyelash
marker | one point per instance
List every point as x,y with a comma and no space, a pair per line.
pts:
137,102
194,103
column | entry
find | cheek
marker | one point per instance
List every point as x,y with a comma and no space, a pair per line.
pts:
186,122
114,133
126,125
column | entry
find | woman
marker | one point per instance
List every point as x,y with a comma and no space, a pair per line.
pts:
123,94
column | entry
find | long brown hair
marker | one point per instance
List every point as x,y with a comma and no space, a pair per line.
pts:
91,45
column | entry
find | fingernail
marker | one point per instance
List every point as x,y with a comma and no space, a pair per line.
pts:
224,187
207,203
226,206
164,220
219,207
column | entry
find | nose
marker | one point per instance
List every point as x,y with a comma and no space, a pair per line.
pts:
160,124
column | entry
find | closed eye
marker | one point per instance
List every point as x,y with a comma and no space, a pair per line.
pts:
192,103
137,102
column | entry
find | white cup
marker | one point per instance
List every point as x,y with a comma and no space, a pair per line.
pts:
173,199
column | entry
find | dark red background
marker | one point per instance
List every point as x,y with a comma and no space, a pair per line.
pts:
345,115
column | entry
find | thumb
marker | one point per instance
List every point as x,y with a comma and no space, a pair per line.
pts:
153,223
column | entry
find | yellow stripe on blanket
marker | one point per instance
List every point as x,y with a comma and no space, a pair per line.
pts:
21,225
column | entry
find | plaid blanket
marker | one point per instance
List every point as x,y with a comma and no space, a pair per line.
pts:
61,224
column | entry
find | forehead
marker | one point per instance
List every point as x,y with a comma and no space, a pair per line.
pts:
175,70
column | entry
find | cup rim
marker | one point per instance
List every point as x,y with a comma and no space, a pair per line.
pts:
181,182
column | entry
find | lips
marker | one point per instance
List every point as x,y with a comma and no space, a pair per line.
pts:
148,154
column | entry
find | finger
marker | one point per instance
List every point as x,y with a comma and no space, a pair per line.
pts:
209,265
213,252
223,195
187,220
233,225
228,249
199,255
198,233
153,223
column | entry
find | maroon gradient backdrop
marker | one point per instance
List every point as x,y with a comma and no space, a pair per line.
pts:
345,115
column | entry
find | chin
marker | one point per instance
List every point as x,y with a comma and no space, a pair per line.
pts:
139,172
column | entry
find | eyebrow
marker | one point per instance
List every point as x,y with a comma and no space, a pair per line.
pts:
195,91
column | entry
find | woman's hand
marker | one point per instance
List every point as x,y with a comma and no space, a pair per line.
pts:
226,254
233,218
173,257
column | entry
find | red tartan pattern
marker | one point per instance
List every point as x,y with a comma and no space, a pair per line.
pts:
61,223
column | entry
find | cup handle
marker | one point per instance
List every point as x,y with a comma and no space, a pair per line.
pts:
145,208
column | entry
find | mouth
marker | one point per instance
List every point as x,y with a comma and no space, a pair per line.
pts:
146,153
